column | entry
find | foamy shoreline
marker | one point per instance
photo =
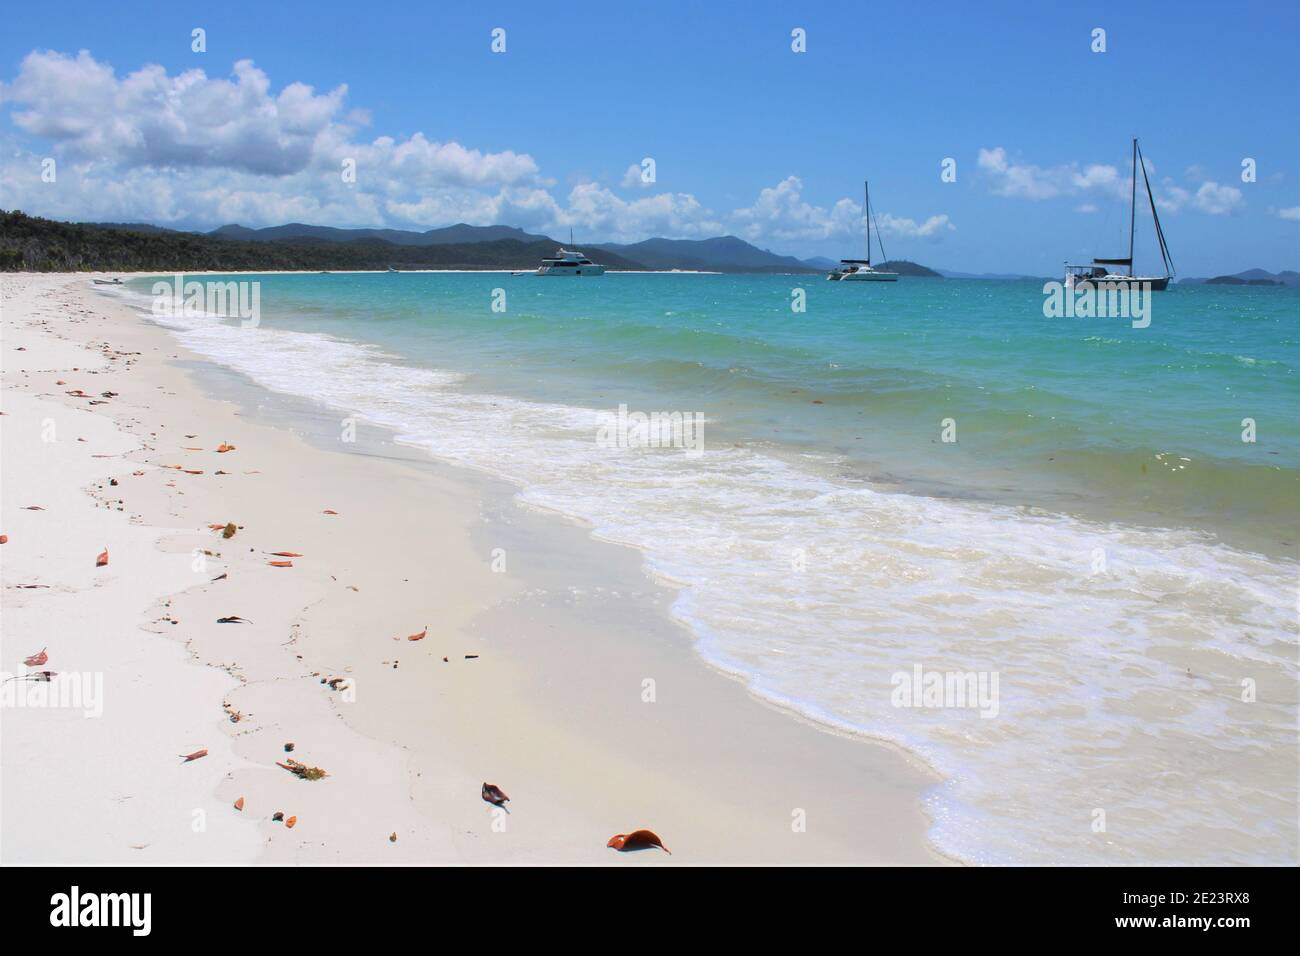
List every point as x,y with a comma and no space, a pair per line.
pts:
550,707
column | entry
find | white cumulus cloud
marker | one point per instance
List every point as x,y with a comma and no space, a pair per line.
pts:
932,228
270,153
148,118
1029,181
780,212
1210,198
1022,180
633,179
600,212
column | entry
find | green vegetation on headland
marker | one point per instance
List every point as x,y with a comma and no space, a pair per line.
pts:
29,244
905,268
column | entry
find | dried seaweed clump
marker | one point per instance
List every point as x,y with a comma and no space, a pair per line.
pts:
299,769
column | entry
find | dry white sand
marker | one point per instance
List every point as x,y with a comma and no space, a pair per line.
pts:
551,709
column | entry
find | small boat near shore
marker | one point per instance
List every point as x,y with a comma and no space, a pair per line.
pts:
861,270
1097,272
108,282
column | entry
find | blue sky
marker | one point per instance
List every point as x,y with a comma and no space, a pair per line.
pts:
748,137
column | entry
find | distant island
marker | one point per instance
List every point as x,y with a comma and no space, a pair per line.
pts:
1234,280
905,268
1251,277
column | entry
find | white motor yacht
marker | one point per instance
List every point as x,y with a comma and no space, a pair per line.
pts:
568,263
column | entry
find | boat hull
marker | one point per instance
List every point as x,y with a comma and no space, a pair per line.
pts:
864,276
591,270
1154,283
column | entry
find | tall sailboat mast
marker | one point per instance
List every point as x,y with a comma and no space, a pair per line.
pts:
1093,273
860,270
1132,203
866,214
1155,218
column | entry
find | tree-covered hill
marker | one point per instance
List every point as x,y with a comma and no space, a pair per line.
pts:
905,268
31,244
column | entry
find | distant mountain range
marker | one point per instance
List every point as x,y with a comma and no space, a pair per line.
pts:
721,254
1287,277
46,245
461,233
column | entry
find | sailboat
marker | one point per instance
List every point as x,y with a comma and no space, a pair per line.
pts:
860,270
1097,273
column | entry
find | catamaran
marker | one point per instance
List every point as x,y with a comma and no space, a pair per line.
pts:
1097,273
860,270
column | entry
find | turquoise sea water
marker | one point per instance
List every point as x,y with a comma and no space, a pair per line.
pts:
1098,535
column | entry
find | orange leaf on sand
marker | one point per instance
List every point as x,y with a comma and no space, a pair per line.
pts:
102,559
328,512
194,756
192,471
494,794
290,822
420,636
216,527
4,539
239,804
286,554
225,448
637,840
280,564
36,660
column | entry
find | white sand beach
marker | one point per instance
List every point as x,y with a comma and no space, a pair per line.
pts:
533,679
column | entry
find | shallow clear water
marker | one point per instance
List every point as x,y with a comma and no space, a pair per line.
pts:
1099,537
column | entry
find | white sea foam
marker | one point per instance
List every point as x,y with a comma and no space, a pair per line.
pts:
1121,652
